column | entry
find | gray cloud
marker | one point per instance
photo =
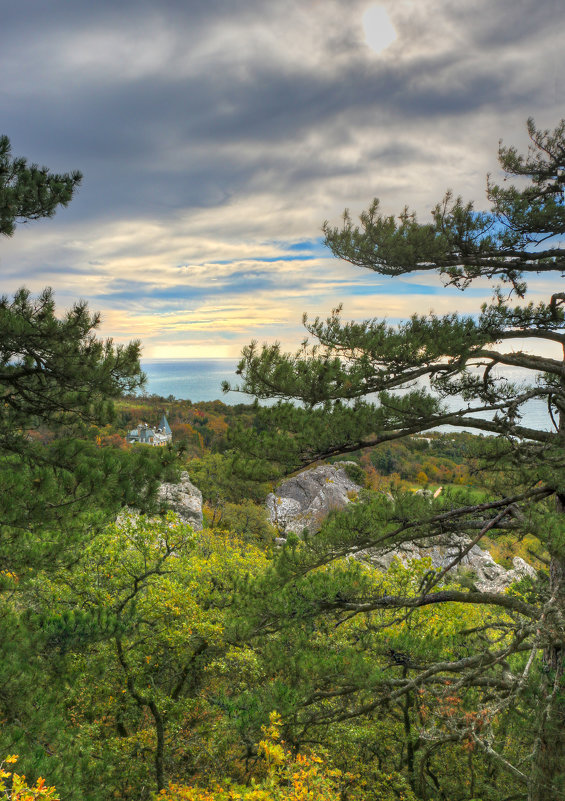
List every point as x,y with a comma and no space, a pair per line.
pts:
258,120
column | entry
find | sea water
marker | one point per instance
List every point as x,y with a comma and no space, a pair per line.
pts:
201,380
192,379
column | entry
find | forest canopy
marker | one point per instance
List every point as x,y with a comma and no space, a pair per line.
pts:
144,658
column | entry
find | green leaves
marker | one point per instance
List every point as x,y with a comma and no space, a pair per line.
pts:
56,380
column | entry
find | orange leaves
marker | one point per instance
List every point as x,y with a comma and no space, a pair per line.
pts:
282,776
285,778
13,786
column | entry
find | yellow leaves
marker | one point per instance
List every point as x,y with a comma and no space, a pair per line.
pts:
304,777
241,664
274,729
18,790
272,752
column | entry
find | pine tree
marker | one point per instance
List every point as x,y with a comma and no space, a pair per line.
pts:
30,192
364,383
57,381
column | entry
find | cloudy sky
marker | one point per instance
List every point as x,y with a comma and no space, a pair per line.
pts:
216,137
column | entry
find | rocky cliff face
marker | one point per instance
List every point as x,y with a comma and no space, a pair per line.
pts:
183,498
303,501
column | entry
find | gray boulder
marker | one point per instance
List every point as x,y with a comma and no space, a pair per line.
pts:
183,498
302,502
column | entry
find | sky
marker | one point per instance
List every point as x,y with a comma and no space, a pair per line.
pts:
215,138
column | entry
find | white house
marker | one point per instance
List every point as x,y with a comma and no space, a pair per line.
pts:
151,436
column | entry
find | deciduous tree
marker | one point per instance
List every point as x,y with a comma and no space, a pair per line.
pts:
58,487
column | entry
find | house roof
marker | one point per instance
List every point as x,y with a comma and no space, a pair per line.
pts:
164,425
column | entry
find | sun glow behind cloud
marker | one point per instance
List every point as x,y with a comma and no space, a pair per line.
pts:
213,145
379,30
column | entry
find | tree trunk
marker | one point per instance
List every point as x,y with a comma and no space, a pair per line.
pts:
160,749
547,779
406,708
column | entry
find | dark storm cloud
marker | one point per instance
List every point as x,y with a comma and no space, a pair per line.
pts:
38,17
117,134
176,108
125,121
509,22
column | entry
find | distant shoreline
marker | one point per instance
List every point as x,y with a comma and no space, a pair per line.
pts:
200,380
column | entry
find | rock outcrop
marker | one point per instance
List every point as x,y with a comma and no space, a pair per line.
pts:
183,498
483,572
303,501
